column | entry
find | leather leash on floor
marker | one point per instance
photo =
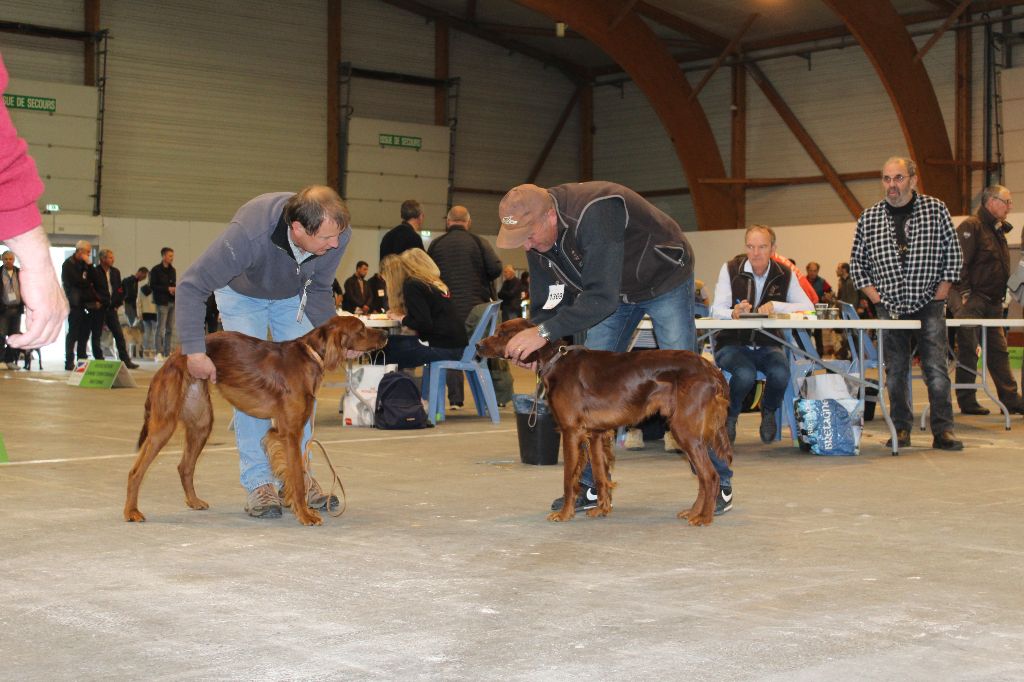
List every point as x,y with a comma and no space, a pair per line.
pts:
306,456
335,478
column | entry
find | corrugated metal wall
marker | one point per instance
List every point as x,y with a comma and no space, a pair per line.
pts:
210,104
507,104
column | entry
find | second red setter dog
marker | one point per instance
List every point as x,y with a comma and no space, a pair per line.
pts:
592,392
269,380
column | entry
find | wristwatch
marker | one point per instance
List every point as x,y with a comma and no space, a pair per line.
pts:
543,331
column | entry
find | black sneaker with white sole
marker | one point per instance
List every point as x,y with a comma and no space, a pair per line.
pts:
724,501
587,499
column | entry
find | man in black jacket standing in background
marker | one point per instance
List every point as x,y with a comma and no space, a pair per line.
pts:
74,275
979,294
131,294
164,278
106,281
405,235
468,265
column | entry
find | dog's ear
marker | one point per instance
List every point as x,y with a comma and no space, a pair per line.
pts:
340,332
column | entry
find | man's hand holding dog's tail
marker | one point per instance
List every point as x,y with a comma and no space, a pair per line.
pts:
201,366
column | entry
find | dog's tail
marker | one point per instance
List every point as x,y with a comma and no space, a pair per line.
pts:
714,431
167,389
145,419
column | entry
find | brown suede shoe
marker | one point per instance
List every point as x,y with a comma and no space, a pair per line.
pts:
263,502
947,441
902,439
316,498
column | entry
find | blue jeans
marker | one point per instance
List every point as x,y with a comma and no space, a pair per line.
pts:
672,316
743,363
254,317
164,327
932,344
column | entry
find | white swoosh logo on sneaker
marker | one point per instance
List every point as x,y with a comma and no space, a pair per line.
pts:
726,496
591,496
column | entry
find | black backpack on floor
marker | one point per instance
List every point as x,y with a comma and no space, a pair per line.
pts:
398,404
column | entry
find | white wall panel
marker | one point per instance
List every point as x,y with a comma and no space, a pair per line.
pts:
389,175
62,141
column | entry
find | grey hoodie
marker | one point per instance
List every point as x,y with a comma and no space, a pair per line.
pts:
253,257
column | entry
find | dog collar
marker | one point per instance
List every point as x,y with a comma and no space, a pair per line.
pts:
313,354
562,351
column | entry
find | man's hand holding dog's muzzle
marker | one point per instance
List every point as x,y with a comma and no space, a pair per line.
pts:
522,345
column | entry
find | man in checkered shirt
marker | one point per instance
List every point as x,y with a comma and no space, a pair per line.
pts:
905,258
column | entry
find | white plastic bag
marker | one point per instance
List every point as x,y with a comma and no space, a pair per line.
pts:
358,407
825,386
368,376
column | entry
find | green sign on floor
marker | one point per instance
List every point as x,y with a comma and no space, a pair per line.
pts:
101,374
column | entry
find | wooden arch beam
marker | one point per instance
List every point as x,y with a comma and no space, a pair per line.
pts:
884,38
636,48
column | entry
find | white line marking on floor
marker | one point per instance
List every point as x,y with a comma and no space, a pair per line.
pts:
378,439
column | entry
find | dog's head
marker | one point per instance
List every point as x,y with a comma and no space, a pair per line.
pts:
494,346
344,333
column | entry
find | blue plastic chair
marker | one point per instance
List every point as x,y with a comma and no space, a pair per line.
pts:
870,352
477,373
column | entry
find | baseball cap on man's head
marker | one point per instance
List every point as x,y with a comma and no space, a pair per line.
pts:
520,210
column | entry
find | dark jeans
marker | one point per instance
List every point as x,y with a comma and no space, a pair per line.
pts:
967,339
10,324
931,346
672,316
107,316
407,351
743,363
77,337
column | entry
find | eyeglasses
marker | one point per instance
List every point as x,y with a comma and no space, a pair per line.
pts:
886,179
1008,202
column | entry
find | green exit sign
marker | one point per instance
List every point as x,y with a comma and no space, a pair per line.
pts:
404,141
31,103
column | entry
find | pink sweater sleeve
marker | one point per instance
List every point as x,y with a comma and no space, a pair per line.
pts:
20,185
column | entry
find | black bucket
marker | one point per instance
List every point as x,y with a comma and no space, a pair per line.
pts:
538,444
870,400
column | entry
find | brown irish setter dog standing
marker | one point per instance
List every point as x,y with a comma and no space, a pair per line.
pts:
269,380
593,392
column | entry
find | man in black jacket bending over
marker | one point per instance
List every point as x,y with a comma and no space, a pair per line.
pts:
601,257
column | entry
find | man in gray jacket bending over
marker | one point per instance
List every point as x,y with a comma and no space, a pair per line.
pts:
270,270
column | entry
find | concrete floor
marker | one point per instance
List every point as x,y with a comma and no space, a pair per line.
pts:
444,567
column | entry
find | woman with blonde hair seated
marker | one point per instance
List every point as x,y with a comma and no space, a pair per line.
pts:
421,302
